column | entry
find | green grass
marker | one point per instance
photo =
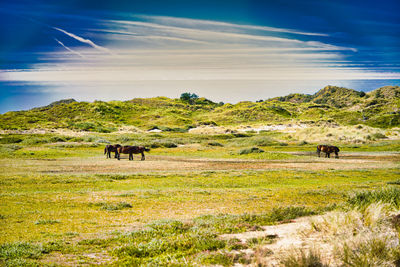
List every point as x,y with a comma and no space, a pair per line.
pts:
167,242
69,199
59,194
389,195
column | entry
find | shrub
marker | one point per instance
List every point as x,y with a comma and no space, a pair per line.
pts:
10,140
40,222
85,126
378,136
302,143
215,144
58,139
250,150
163,144
188,97
240,135
102,141
111,207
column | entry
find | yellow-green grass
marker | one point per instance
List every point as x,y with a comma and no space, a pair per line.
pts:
62,196
75,203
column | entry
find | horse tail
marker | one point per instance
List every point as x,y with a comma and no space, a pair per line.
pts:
147,149
105,150
318,148
337,149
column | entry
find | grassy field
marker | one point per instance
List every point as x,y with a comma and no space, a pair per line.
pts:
63,203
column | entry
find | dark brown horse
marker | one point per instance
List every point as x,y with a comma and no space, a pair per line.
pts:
132,150
328,150
111,148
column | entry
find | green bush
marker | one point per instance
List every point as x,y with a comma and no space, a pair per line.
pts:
250,150
40,222
112,207
163,144
10,140
58,139
215,144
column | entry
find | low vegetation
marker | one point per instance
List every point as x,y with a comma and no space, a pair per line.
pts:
333,105
214,169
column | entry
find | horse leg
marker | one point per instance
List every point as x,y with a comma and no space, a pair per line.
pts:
130,156
336,155
108,154
329,155
318,153
116,154
119,156
143,158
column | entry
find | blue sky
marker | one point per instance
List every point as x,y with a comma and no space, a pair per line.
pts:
224,50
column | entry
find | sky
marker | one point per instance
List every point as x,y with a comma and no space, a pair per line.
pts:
226,51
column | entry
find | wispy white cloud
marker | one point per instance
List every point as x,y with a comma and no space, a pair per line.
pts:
83,40
166,52
227,36
224,25
69,49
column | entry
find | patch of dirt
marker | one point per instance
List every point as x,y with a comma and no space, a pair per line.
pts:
84,259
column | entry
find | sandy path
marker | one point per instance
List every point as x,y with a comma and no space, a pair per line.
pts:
154,163
289,237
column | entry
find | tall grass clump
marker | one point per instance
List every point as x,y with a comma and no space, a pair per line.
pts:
362,236
362,199
372,252
303,259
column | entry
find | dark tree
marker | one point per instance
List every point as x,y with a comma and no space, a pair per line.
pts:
188,97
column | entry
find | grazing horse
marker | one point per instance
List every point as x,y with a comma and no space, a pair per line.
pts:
111,148
132,150
328,150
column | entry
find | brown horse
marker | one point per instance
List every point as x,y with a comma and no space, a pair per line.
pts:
328,150
132,150
111,148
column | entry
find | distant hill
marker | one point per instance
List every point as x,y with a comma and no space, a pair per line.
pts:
378,108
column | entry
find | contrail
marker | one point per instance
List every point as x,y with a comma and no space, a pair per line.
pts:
83,40
69,49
